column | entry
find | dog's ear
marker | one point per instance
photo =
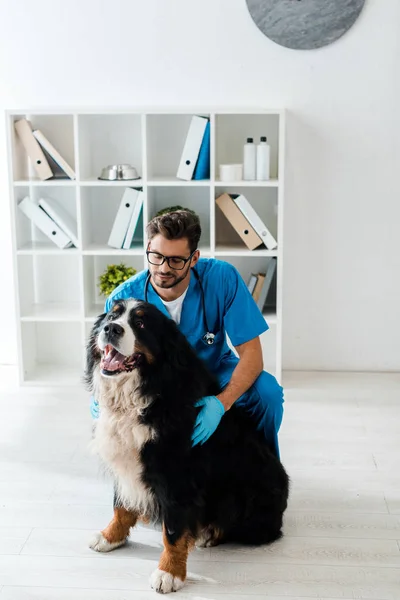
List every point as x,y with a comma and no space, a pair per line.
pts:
93,354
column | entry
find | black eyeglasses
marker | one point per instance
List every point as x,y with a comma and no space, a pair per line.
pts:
177,263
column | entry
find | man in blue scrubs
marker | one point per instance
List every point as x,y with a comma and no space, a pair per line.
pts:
172,255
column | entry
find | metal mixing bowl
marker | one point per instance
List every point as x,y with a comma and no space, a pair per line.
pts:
119,173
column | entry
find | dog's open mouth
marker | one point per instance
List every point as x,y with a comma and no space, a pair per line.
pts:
113,362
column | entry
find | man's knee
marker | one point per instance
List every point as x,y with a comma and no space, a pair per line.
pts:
269,390
265,400
271,398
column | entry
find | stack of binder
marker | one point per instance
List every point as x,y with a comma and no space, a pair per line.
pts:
52,220
195,158
246,222
46,160
260,285
127,218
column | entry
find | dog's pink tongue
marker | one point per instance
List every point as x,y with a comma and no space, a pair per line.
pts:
113,361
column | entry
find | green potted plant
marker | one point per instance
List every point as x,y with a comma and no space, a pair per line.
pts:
113,276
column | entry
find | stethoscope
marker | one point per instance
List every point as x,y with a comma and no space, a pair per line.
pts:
208,337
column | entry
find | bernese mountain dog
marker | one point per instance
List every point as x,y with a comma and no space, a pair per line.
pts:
147,379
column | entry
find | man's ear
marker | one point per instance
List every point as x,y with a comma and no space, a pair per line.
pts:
195,258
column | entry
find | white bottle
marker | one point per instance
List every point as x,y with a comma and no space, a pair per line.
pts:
249,160
263,160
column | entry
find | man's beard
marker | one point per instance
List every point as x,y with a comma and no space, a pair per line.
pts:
172,280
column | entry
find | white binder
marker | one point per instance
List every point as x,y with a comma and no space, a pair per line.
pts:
191,148
55,155
122,219
134,220
33,149
44,223
258,225
60,216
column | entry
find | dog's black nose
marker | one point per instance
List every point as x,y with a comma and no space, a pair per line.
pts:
113,329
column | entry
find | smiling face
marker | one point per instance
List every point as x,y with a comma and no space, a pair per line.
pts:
119,339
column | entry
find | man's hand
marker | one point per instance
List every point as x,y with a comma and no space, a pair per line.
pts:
208,419
94,408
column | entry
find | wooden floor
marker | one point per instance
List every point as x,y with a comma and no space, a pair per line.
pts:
340,442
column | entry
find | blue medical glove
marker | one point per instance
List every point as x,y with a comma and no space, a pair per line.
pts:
94,408
208,419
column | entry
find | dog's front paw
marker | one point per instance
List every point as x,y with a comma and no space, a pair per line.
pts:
100,544
164,583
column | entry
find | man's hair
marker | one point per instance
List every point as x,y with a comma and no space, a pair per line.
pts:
176,225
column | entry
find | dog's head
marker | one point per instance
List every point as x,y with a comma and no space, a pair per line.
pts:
132,335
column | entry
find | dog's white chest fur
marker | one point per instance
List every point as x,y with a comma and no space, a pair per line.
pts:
118,439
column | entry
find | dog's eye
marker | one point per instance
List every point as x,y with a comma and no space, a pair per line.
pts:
139,323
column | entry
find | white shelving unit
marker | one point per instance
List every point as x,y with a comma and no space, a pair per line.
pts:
56,290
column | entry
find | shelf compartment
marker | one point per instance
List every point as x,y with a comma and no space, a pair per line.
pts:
246,265
264,201
29,237
93,267
49,287
59,130
196,198
99,209
52,353
232,131
109,140
166,137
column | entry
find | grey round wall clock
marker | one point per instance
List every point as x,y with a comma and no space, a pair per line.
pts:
304,24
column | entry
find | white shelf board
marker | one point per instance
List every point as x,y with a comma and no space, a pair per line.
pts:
274,183
174,181
47,182
53,375
94,181
104,250
44,248
231,250
53,311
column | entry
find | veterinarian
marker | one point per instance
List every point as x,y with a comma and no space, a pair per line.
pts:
208,298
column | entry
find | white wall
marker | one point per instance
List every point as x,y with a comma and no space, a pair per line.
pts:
342,264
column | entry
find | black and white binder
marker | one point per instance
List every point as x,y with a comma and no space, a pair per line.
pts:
192,147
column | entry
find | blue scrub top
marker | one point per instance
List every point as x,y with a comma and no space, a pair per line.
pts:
230,310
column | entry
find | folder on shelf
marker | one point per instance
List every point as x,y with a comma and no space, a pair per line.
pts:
61,217
251,284
33,149
134,220
258,287
255,221
122,219
239,221
202,169
192,147
53,153
43,222
267,283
